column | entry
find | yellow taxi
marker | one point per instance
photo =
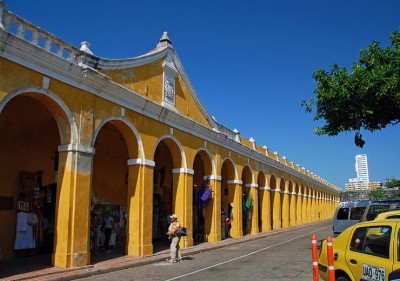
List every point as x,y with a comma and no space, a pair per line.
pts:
365,251
388,215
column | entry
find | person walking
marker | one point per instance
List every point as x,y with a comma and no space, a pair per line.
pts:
108,227
175,239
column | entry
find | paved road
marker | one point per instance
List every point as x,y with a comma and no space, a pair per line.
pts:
283,256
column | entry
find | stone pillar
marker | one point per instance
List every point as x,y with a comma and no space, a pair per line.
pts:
312,206
72,223
299,201
183,202
276,219
285,207
265,206
305,208
292,219
213,211
309,210
140,207
254,228
235,197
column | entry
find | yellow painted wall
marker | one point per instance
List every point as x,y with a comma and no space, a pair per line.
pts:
33,127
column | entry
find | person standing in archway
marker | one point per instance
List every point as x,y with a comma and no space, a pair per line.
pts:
175,239
108,227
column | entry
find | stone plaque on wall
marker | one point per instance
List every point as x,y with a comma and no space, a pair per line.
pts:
170,74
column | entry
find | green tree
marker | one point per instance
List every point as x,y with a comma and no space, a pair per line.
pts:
378,193
366,98
391,183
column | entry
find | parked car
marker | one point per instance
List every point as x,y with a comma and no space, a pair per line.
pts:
347,214
388,214
365,251
375,207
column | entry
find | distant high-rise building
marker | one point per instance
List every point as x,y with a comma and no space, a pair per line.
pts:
362,181
362,168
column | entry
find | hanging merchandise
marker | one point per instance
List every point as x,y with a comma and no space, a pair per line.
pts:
205,197
247,201
25,234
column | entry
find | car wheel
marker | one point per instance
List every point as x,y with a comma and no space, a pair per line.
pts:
341,278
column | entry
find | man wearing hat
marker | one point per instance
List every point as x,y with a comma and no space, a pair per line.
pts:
175,249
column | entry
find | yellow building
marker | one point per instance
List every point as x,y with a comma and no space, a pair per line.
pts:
82,135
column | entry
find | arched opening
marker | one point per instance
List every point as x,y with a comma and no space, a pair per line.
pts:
109,193
30,126
261,198
247,200
274,196
284,214
292,205
201,196
227,174
298,204
167,156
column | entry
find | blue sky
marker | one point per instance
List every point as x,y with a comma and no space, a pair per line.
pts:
251,63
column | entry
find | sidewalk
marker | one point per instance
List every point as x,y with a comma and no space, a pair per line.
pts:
38,267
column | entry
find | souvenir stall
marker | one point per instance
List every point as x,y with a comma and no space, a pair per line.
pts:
98,214
201,198
34,231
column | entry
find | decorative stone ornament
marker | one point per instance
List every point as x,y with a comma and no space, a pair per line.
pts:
170,74
85,47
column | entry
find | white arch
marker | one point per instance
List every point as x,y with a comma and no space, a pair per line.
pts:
177,143
234,166
214,170
130,126
251,172
275,177
265,176
53,97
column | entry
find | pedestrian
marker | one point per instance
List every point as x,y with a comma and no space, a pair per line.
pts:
94,232
108,227
175,239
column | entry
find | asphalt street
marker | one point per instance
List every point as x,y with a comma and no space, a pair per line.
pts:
282,256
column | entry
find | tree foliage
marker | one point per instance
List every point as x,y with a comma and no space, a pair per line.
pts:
378,193
367,97
391,183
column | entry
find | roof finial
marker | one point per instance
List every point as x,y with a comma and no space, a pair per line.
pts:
85,47
164,40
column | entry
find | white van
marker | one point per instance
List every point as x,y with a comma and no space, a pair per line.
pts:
347,214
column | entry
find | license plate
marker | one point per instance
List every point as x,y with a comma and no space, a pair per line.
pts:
373,273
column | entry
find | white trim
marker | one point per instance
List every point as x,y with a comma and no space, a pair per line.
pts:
126,123
55,98
275,190
235,182
76,148
264,188
212,177
251,185
183,171
177,143
138,161
210,156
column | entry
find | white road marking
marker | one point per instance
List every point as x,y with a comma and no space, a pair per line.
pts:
244,256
